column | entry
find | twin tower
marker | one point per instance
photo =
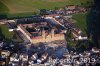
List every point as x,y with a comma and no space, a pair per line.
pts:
48,37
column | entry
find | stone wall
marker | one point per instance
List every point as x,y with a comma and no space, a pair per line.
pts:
48,38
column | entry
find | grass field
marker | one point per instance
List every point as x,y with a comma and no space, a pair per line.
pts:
81,20
4,32
30,6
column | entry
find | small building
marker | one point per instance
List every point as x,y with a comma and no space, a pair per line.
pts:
5,53
71,7
14,58
23,57
2,61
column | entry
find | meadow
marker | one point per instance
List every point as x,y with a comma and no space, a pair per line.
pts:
4,32
81,20
28,7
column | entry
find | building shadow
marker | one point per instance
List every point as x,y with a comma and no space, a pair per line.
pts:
93,24
1,35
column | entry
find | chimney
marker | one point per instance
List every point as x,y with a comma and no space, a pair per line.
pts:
43,34
52,32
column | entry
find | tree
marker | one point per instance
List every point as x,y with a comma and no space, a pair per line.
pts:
56,8
71,44
43,12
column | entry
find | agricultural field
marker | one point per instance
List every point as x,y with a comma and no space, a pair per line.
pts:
30,6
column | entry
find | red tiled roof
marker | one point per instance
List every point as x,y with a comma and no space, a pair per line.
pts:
71,7
58,35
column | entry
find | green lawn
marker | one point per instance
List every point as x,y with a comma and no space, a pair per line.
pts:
4,32
3,8
30,6
81,20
